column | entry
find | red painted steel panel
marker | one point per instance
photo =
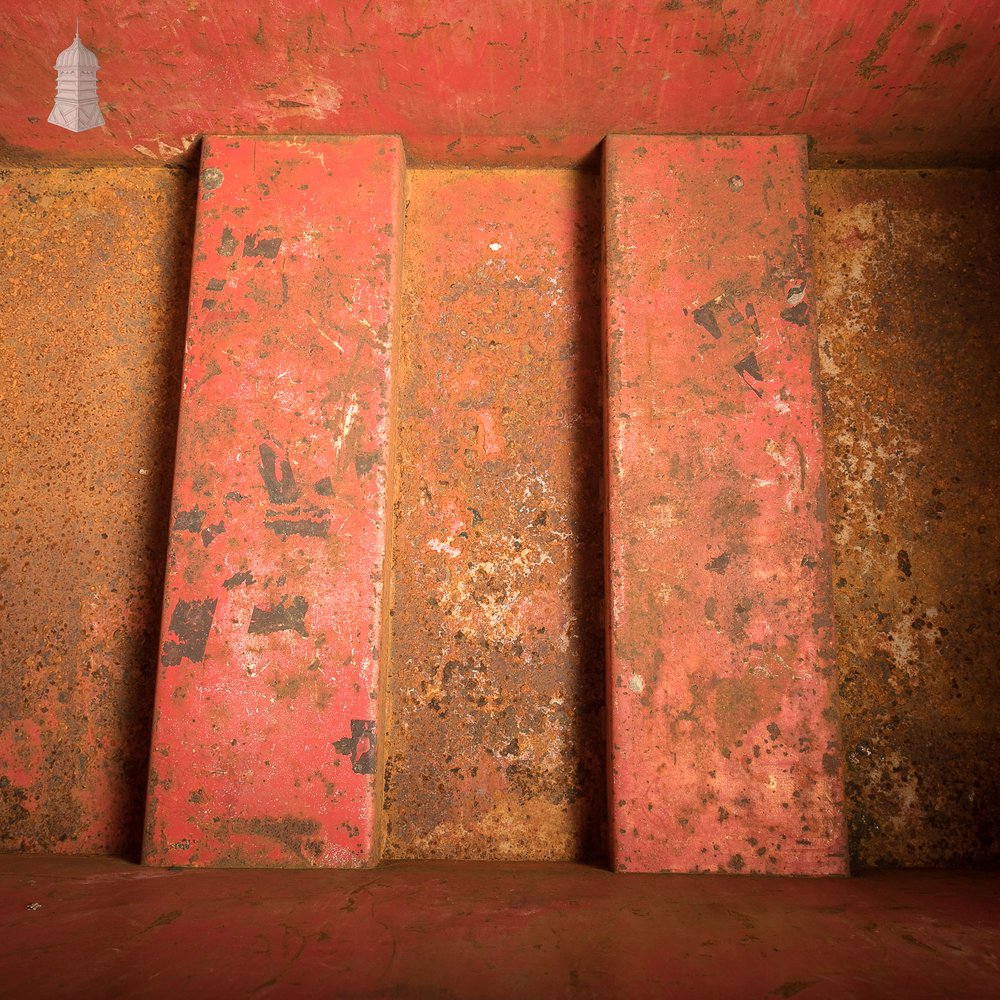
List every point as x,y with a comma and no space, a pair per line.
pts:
523,82
724,746
96,927
264,748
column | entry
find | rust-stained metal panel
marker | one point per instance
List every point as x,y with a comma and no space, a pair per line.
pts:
907,266
93,283
496,732
524,82
266,720
724,748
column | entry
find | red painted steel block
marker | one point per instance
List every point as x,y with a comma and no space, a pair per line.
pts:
266,722
724,730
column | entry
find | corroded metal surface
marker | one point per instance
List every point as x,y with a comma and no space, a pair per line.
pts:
93,282
910,349
724,749
496,747
266,721
523,82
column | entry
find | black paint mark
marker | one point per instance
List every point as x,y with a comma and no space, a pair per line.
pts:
308,529
189,520
281,490
324,487
903,562
797,314
718,564
190,622
208,304
359,746
216,284
751,314
749,366
227,246
209,534
280,618
244,578
252,247
365,462
705,317
236,496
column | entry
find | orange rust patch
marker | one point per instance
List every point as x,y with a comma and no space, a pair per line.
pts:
909,304
495,741
93,289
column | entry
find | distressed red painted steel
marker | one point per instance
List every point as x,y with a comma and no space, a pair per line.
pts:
95,927
525,82
264,748
724,739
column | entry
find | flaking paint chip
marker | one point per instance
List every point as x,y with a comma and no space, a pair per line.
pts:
494,246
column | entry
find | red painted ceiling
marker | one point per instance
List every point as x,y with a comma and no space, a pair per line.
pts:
532,81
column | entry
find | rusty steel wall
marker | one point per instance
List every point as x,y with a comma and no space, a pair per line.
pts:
93,293
909,298
496,682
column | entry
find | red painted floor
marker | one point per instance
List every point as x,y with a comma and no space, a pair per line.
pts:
87,927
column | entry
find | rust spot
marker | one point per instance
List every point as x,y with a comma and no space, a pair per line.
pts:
949,55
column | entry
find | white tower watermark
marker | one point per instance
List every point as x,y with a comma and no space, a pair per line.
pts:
76,106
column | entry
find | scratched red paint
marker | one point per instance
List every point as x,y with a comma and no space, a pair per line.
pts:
264,746
724,739
520,82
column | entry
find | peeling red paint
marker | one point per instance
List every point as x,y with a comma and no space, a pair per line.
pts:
526,82
266,723
724,747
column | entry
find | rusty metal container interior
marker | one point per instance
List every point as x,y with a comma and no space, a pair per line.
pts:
479,470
